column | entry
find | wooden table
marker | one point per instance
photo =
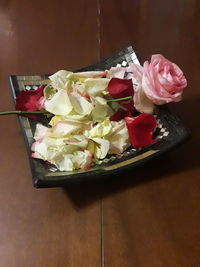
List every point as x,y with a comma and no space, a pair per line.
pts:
147,217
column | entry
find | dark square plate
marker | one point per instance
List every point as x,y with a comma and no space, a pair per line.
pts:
170,133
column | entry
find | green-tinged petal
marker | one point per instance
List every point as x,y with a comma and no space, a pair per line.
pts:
118,138
76,160
83,159
66,164
94,86
101,109
60,80
72,116
105,93
65,128
91,146
81,80
52,149
101,129
77,140
49,91
77,117
59,150
56,119
101,147
80,88
80,104
59,146
49,148
59,104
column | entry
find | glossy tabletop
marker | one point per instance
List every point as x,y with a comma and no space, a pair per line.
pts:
148,217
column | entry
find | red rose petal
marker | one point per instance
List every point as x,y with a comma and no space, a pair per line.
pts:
120,114
29,100
141,129
129,105
120,87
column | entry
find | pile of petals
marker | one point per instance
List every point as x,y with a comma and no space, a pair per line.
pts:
93,114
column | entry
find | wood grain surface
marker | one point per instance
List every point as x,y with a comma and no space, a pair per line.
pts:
153,217
42,227
142,218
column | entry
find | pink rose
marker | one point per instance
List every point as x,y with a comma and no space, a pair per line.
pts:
162,81
141,102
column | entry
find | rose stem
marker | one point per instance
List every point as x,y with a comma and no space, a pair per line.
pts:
19,112
120,99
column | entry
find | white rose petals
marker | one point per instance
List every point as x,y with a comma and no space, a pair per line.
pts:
95,86
59,104
60,79
81,131
80,104
118,138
